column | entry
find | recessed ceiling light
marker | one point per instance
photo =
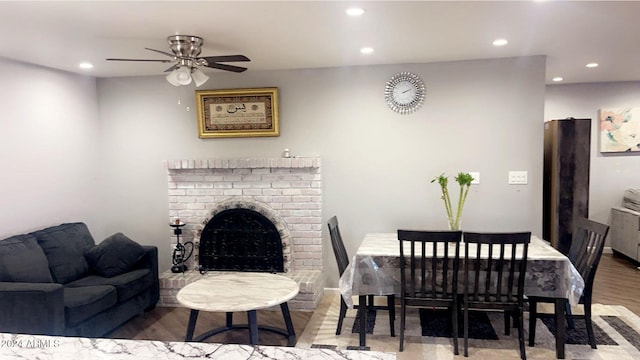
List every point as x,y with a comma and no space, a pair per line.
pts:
366,50
500,42
592,65
355,11
557,79
86,65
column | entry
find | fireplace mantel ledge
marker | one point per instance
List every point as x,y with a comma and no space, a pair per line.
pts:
243,163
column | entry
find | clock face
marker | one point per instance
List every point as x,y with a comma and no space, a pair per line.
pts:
405,93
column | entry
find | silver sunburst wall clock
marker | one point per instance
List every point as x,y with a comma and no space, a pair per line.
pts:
405,92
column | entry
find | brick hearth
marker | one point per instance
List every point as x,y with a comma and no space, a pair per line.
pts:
287,191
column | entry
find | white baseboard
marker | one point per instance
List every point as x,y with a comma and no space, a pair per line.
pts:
332,290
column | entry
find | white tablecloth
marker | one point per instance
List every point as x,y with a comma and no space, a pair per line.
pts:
374,270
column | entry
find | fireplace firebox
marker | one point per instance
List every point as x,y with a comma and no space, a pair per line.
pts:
240,240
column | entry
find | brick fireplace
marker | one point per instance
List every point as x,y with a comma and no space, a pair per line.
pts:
286,191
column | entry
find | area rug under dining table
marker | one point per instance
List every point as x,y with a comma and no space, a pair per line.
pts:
427,335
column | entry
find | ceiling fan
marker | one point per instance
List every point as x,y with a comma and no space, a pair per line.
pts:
186,50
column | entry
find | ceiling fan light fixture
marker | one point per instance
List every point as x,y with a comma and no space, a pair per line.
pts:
180,76
172,78
199,77
185,56
183,75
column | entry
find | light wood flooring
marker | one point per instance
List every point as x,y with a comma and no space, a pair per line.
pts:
170,324
617,283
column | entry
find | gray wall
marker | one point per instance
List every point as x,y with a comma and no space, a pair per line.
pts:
482,115
610,174
67,163
49,150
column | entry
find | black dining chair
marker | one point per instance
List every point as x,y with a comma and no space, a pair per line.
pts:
493,277
429,264
587,243
343,261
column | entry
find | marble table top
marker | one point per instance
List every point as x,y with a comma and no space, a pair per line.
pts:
238,291
42,347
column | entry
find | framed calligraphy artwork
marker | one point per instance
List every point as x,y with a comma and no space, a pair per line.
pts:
237,113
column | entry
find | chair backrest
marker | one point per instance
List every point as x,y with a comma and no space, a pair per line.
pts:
429,263
495,266
338,246
587,243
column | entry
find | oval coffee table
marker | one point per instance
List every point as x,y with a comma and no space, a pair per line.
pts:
239,291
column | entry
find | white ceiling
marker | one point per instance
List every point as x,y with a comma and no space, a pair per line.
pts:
313,34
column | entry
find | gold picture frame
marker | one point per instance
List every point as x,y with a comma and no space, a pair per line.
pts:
237,113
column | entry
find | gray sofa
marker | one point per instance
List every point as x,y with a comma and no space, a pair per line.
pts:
57,281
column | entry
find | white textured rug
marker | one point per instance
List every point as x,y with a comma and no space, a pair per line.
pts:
618,323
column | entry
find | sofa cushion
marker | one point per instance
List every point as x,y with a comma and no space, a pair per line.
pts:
22,260
127,285
65,245
115,255
81,303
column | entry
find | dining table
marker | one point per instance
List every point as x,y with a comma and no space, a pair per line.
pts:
375,270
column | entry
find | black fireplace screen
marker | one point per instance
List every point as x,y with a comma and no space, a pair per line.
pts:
241,240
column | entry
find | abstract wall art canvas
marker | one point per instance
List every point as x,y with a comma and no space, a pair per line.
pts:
620,130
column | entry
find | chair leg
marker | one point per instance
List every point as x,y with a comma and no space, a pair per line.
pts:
523,353
567,311
589,323
343,312
402,321
391,305
507,323
466,330
454,326
533,315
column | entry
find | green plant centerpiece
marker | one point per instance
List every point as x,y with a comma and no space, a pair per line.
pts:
464,179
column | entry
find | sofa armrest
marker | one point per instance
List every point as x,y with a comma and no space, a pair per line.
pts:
150,261
624,232
630,220
32,308
628,211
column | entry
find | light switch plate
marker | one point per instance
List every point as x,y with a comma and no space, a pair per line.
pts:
518,177
476,177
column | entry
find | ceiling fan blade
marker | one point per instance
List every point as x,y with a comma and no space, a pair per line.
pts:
161,52
233,68
148,60
225,58
171,68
